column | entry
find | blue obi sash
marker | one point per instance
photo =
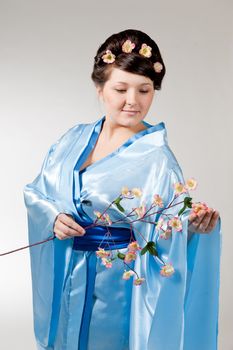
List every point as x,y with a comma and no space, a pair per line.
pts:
108,238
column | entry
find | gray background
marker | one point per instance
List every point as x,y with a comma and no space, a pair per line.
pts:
46,56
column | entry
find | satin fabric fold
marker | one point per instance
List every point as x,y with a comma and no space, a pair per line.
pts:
175,313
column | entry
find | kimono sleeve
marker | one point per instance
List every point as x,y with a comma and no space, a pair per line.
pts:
189,299
48,260
41,207
39,198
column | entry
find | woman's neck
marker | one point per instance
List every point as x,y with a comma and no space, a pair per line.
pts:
111,131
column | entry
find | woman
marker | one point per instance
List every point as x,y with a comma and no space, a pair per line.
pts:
79,301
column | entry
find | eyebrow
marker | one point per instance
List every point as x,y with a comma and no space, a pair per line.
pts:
122,82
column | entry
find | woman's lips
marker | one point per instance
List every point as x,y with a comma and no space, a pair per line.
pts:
130,111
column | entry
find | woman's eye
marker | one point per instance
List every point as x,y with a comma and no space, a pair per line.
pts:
144,92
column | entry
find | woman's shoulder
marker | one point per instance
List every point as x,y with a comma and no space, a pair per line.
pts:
72,130
75,129
70,137
71,133
66,140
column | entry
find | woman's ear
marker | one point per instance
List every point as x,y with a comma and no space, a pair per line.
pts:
99,93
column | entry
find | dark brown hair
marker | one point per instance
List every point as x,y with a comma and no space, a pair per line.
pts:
132,62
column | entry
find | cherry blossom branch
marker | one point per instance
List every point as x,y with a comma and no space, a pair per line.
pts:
143,214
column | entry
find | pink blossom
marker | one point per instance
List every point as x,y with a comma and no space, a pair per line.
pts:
103,217
138,281
134,246
141,210
125,191
167,270
102,253
107,218
97,213
158,200
128,274
179,188
131,255
191,184
166,234
196,207
137,192
175,223
106,262
159,224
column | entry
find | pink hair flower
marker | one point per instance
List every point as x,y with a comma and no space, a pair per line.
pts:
158,67
108,57
128,46
145,50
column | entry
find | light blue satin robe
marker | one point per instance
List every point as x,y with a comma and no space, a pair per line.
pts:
175,313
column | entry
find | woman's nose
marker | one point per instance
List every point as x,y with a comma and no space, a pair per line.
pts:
131,99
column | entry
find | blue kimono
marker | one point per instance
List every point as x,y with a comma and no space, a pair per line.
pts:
78,303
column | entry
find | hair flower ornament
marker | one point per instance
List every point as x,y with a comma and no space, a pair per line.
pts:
109,57
145,50
128,46
158,67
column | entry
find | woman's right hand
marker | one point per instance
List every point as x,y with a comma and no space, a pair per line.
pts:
66,227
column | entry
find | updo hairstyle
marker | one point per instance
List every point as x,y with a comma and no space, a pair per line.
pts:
132,62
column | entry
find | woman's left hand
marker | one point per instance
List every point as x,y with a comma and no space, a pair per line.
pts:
204,221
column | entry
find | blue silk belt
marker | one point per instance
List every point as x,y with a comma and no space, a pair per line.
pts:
108,238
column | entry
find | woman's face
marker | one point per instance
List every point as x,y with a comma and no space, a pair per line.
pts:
124,92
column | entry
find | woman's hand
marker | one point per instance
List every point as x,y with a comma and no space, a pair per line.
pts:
66,227
204,221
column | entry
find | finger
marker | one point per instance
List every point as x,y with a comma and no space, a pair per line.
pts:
70,222
192,217
213,221
197,220
69,231
60,235
206,219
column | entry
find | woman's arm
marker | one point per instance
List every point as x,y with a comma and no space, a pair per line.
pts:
41,208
